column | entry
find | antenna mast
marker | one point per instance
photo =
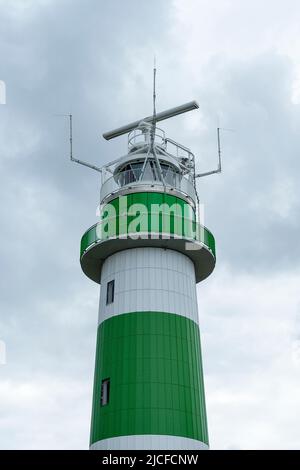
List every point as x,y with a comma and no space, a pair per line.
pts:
219,169
153,127
154,108
154,91
92,167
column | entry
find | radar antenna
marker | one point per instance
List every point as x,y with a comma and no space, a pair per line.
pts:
184,108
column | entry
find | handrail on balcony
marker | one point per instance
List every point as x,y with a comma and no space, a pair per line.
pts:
201,234
129,178
139,137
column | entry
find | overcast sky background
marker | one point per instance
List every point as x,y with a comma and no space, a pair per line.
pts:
241,61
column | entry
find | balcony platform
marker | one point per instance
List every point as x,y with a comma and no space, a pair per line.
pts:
94,250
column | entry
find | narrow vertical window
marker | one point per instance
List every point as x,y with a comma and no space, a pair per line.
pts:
110,292
105,384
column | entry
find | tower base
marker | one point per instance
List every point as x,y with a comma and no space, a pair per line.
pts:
149,442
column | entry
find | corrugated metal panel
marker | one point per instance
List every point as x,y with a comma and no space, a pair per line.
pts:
149,279
153,360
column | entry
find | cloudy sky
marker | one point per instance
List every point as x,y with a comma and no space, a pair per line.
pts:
241,61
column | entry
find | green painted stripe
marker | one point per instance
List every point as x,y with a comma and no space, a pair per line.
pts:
150,201
153,360
176,224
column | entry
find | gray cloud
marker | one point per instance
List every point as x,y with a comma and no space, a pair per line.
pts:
257,194
57,57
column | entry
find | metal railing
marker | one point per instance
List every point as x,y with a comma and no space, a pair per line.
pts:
200,233
134,178
139,137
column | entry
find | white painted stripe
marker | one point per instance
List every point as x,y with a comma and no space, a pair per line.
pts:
149,279
149,442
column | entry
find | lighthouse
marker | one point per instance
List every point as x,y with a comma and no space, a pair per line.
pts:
147,252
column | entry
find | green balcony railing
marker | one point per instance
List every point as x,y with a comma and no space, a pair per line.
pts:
101,232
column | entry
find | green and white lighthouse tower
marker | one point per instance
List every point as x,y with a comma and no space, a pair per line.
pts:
148,252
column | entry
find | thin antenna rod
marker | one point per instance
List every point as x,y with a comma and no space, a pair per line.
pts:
92,167
154,106
219,169
219,147
153,127
71,137
154,91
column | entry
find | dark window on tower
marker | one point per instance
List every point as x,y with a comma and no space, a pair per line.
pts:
110,292
105,385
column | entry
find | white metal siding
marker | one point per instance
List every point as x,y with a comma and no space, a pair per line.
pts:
149,279
148,442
